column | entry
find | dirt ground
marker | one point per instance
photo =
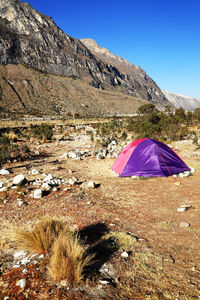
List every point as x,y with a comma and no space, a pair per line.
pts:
165,263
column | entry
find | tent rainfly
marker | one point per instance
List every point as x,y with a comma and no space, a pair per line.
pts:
148,158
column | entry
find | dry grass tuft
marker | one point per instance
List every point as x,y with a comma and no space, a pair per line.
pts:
124,240
68,260
39,238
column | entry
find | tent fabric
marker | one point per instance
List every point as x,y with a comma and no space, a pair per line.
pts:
148,158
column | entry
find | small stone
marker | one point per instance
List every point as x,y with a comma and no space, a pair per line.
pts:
63,283
177,183
124,254
184,224
3,189
6,298
181,175
1,184
71,181
41,256
19,254
193,170
25,261
34,172
134,177
4,172
48,178
25,271
184,207
46,187
37,194
91,184
19,179
104,282
55,189
21,283
175,175
181,209
20,202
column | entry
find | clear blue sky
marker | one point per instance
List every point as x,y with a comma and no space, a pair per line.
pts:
161,36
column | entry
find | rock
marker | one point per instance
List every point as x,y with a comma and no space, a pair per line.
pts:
1,184
19,179
41,256
3,189
71,181
75,179
181,175
177,183
187,173
4,172
19,254
46,187
34,172
21,283
37,194
25,271
25,261
193,170
91,184
184,224
175,175
99,156
134,177
184,207
49,177
124,254
55,189
181,209
64,155
20,202
104,282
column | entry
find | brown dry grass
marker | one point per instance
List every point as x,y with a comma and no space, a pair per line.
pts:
39,238
68,260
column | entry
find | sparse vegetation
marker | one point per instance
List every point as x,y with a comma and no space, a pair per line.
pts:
124,240
68,260
39,238
43,131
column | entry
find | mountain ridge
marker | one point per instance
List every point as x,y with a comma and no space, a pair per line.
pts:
32,39
185,102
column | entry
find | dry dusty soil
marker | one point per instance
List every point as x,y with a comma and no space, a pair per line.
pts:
164,263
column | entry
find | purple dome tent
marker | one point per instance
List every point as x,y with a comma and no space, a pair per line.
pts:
148,158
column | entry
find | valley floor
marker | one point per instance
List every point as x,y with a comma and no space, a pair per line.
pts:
164,263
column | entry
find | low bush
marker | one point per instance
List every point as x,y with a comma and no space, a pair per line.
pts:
43,131
39,238
68,260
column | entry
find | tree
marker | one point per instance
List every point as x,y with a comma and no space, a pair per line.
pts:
146,108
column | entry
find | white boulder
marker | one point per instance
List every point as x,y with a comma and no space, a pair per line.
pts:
4,172
19,179
37,194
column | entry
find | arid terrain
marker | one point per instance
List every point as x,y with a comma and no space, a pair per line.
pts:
162,263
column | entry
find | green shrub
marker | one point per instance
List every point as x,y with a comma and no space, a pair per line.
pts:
43,131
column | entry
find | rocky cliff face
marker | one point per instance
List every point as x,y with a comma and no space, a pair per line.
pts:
29,38
142,84
187,103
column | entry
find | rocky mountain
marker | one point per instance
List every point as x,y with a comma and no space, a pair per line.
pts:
187,103
34,49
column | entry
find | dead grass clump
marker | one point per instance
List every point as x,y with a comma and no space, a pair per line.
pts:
68,260
125,241
41,236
